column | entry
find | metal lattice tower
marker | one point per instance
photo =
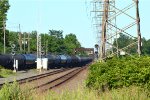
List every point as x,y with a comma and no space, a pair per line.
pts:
106,15
38,46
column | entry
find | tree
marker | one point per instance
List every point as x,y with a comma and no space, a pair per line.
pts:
12,39
124,41
33,42
145,46
71,43
4,6
56,42
57,34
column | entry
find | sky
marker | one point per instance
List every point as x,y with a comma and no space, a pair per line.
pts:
71,16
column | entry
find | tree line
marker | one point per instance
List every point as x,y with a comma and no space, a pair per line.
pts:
51,42
125,40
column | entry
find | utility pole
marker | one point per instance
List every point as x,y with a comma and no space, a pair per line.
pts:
46,47
4,36
104,29
20,39
28,42
24,42
138,27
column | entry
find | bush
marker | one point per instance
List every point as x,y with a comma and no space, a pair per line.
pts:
120,72
14,92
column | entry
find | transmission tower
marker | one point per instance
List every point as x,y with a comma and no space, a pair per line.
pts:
106,14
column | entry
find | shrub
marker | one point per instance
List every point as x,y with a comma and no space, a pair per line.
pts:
120,72
14,92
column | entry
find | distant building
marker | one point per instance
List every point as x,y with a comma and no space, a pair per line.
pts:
88,51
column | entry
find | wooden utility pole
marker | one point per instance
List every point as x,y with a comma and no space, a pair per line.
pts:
104,28
4,36
138,27
24,42
28,42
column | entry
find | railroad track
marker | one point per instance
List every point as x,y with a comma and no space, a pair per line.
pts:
51,82
58,81
37,77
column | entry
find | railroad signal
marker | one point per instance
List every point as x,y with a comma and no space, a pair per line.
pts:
42,53
13,52
15,62
13,46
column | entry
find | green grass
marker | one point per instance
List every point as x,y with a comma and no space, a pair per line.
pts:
15,92
129,93
126,93
79,94
5,72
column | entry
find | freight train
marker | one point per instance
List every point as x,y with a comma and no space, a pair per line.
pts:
28,61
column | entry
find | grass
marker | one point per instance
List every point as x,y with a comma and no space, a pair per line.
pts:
126,93
14,92
79,94
5,72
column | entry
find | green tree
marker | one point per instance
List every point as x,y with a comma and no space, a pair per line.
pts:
12,38
4,6
56,42
33,42
124,41
71,42
145,46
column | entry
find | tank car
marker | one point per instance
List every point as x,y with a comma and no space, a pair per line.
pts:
53,60
69,59
74,61
26,61
6,61
63,61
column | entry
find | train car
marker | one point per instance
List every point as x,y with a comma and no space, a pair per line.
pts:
26,61
63,61
74,61
79,64
69,59
53,61
6,61
84,60
50,60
